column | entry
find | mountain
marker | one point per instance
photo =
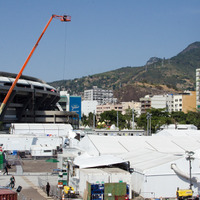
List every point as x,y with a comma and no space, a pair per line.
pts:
158,76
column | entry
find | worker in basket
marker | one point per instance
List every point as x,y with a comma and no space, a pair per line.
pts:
69,191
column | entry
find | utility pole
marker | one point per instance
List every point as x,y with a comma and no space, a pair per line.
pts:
117,120
190,158
93,119
148,123
133,117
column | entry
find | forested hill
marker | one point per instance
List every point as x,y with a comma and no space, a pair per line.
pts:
158,76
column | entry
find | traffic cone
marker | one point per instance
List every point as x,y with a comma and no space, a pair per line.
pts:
63,197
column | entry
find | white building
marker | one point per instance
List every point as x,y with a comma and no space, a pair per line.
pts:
160,101
177,102
88,106
64,100
100,95
171,102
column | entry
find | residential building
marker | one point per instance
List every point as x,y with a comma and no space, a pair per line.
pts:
189,102
131,105
159,101
122,107
171,102
108,107
198,89
100,95
145,103
177,102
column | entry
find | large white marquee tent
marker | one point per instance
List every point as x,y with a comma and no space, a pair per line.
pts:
159,162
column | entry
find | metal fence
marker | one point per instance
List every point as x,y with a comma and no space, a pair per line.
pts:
55,192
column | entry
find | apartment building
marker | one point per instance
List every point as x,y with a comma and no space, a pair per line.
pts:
100,95
189,102
122,107
145,103
131,105
108,107
198,89
171,102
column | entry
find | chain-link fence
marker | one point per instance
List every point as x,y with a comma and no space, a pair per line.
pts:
55,192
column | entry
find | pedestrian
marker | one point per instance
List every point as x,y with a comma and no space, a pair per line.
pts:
12,182
5,170
48,189
197,197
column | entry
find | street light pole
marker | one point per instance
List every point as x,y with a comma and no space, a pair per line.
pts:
190,158
94,119
133,118
117,120
147,124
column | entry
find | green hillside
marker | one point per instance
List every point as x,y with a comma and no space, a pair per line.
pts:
157,77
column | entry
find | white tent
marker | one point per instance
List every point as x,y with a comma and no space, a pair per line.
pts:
153,160
175,132
41,129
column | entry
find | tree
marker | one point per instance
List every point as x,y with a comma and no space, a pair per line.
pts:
88,121
193,118
179,117
128,117
158,118
110,117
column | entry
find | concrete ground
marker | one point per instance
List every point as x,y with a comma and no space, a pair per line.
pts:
35,173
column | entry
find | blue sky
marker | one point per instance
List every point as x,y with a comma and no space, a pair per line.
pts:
103,35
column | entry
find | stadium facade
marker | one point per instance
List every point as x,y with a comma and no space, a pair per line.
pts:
32,101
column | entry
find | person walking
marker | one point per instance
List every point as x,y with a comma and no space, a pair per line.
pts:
12,182
48,189
197,197
5,170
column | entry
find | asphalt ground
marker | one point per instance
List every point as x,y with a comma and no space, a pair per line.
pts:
33,171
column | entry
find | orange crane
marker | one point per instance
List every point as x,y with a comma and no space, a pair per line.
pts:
64,18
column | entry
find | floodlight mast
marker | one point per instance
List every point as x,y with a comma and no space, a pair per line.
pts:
64,18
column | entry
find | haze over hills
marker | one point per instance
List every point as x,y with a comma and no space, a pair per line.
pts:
158,76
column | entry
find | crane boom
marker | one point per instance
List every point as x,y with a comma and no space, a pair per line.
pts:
64,18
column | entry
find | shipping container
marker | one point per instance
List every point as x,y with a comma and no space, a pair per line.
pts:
101,176
6,194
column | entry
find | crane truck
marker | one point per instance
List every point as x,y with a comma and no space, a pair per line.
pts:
64,18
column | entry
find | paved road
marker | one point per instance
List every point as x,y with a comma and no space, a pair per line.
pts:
30,184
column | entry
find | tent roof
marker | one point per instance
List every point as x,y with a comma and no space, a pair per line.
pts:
39,126
176,132
145,152
87,161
